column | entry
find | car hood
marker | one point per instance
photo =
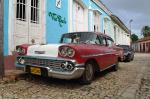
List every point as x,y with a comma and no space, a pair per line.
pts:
84,49
49,50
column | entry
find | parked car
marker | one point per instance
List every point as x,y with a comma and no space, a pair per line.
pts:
79,55
120,53
128,53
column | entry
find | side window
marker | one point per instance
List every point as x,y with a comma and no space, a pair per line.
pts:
102,40
110,42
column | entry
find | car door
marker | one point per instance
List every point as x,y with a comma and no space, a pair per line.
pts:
104,58
111,51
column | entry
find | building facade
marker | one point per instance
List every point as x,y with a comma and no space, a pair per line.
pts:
120,32
142,45
44,21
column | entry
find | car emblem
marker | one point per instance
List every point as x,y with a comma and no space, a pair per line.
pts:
39,52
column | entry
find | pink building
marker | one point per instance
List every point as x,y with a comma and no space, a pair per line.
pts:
142,45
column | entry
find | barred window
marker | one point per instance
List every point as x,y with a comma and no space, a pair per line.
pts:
35,11
21,10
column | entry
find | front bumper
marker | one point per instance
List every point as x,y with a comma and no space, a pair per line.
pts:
75,73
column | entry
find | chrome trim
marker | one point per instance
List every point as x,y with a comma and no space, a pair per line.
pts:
39,52
54,59
75,73
50,58
108,67
94,55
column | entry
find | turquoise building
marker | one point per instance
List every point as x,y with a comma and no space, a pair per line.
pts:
76,15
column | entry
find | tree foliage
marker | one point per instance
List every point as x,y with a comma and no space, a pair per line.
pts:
146,31
134,37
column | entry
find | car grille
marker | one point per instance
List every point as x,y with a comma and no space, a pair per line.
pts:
53,64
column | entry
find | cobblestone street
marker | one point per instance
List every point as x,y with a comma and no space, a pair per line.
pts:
131,81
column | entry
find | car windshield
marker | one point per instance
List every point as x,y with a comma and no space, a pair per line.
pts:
79,38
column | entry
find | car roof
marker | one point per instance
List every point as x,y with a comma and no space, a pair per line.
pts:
97,33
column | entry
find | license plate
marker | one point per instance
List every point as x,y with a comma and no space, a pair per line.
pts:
35,70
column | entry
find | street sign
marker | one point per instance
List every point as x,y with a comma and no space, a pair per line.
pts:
1,40
58,3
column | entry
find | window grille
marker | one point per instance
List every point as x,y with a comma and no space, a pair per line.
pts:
35,11
21,10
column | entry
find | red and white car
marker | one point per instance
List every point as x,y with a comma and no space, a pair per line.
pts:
79,55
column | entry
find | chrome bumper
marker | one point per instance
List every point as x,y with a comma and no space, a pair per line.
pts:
75,73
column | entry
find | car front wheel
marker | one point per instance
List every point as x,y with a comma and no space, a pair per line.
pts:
88,74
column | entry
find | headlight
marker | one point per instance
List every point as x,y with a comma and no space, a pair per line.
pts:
63,51
67,52
67,66
21,51
21,61
70,52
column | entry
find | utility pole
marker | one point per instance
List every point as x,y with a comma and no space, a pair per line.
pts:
1,40
130,31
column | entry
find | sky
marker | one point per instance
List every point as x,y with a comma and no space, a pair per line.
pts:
137,10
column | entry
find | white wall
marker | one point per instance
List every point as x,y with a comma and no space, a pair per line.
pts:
122,38
78,20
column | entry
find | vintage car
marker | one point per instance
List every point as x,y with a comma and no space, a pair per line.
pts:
128,53
79,55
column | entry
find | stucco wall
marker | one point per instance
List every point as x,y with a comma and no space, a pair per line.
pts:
55,27
6,10
122,37
94,6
